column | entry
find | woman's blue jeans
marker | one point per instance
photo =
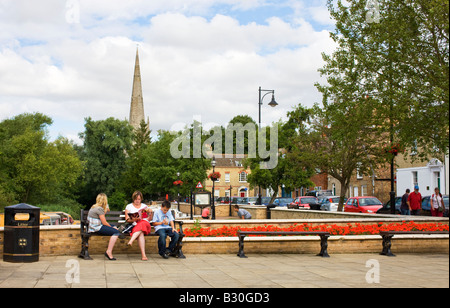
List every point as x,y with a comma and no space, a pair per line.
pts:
109,231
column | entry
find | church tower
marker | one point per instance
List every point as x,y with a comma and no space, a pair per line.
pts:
137,114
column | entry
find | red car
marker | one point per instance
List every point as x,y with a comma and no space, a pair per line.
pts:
363,205
304,202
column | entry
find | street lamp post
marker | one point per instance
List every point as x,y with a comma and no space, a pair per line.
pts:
230,213
178,191
213,206
272,104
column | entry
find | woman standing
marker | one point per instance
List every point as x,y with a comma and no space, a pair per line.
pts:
140,215
98,223
437,204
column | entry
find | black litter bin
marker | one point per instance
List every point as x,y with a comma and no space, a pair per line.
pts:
21,235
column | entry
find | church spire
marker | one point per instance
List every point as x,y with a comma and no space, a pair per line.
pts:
137,114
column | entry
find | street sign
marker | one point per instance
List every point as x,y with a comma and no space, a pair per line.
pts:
199,185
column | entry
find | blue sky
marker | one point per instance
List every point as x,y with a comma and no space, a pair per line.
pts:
72,59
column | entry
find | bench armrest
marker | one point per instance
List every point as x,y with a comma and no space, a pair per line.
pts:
180,223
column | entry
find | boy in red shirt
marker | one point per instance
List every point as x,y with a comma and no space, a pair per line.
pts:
415,201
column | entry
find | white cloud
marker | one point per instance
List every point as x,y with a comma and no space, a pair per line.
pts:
191,64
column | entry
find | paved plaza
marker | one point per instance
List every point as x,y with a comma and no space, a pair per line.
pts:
229,271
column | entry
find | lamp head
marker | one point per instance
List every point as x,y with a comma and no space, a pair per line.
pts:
273,103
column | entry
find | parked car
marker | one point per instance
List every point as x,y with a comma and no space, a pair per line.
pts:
265,200
305,202
386,209
319,193
223,200
426,205
363,205
330,203
239,200
252,200
282,202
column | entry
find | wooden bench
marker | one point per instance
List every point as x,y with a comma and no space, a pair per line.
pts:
117,218
323,239
388,235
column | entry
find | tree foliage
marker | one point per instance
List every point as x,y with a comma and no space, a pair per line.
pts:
399,63
32,169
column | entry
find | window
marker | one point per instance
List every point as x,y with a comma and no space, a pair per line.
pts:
359,175
243,176
227,177
364,190
415,177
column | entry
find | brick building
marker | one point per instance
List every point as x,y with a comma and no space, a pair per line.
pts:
233,180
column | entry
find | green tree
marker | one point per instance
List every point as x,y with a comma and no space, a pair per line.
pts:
33,169
288,173
160,168
131,180
399,63
106,144
336,141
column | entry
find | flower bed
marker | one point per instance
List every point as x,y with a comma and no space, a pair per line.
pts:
349,229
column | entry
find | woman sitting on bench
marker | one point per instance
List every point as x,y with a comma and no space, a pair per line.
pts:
98,223
140,215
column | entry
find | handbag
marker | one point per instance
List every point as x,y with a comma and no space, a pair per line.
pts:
126,228
440,208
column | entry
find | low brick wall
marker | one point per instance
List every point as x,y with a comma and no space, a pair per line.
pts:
65,240
222,210
373,219
311,244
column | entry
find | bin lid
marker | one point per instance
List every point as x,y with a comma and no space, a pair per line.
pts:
22,206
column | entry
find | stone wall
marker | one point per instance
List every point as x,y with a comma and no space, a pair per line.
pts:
222,210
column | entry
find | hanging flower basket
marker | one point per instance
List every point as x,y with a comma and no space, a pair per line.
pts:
394,149
178,183
214,176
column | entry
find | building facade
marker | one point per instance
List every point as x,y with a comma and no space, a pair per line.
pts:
233,179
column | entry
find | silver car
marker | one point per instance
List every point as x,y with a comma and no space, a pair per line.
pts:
330,203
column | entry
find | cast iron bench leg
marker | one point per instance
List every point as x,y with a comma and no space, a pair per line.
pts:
179,247
84,254
387,245
241,253
324,246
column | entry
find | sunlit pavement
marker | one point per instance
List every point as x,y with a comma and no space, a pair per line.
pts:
229,271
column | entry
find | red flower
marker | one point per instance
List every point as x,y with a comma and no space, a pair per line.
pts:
214,176
349,229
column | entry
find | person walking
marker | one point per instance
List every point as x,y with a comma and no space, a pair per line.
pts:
415,201
437,204
405,208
